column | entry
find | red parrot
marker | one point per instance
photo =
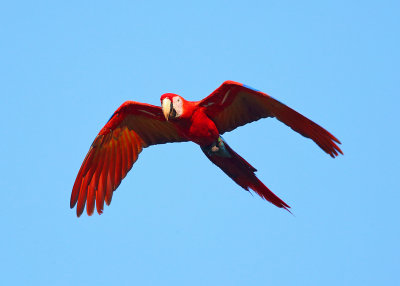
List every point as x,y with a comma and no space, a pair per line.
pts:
135,126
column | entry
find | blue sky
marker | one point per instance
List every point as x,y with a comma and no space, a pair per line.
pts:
66,66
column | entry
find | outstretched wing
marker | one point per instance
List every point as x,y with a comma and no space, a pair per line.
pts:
234,104
132,127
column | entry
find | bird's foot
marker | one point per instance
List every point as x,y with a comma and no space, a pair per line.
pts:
214,148
217,148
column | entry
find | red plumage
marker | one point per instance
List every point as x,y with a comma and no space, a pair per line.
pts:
135,126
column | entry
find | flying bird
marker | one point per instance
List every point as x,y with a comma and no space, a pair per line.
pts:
135,126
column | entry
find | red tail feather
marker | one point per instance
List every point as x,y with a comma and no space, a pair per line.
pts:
239,170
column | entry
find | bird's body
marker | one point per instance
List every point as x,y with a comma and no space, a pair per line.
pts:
198,128
135,126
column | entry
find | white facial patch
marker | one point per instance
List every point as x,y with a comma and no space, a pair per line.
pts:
177,103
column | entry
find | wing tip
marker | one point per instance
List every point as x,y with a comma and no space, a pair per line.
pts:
287,208
334,150
79,212
89,212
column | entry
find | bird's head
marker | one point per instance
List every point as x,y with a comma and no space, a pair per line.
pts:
172,105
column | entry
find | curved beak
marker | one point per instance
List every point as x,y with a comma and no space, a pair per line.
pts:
166,107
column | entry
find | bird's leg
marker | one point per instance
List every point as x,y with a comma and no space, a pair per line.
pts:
214,147
217,148
210,149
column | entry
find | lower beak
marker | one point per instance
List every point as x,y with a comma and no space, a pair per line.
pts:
166,107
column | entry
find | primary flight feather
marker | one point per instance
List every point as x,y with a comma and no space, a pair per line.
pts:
135,126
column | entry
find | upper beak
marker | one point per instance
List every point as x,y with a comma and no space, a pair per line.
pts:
166,107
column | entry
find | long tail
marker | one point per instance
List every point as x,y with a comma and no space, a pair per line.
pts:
239,170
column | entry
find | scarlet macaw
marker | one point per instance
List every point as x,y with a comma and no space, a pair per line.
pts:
135,126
